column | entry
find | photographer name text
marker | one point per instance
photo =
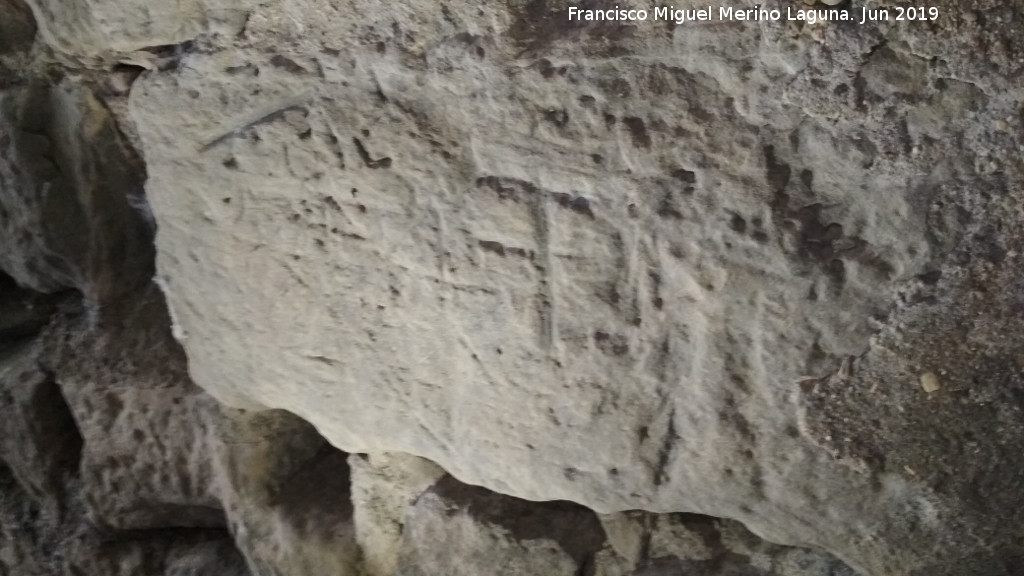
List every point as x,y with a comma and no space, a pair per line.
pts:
755,14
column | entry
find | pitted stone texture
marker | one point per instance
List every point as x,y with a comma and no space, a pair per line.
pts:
441,544
67,180
17,27
161,454
653,544
38,438
454,529
587,263
102,29
960,327
145,426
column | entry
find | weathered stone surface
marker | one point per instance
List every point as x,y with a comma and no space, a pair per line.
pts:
454,529
66,180
384,487
160,553
38,438
670,544
962,326
161,463
459,530
36,542
588,263
105,28
287,495
159,453
145,426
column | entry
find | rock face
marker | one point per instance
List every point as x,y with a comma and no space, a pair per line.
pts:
67,173
97,30
384,487
639,234
463,288
17,27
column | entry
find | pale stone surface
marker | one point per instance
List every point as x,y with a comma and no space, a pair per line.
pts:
125,382
159,453
384,487
170,454
930,382
454,529
586,263
695,268
102,28
652,544
440,544
17,27
459,530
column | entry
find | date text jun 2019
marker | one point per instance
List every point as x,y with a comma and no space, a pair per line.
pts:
728,14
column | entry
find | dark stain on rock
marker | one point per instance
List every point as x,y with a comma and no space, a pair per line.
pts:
332,203
611,344
578,204
557,117
287,64
813,239
492,246
737,224
668,441
638,131
509,189
539,24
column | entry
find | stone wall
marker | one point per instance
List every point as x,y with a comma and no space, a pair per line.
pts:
339,287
